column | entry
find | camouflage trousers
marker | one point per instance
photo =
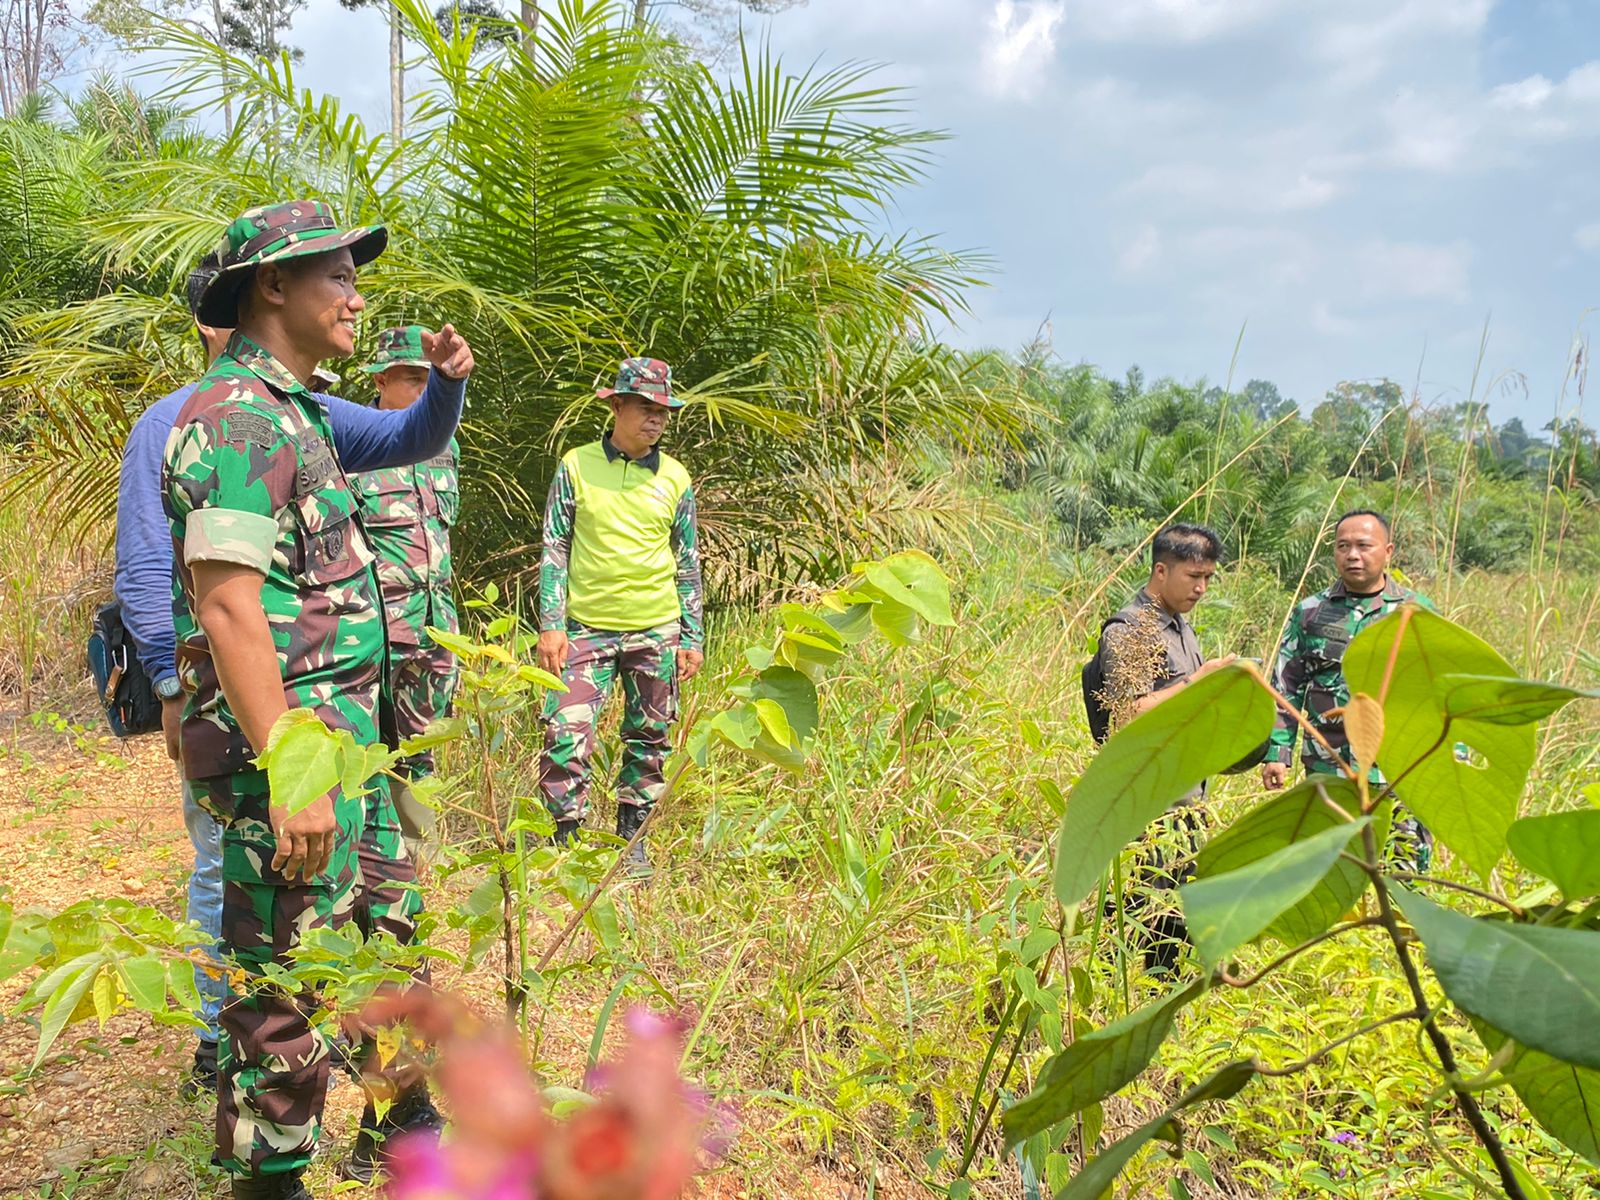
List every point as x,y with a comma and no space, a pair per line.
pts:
646,661
273,1060
422,687
1410,845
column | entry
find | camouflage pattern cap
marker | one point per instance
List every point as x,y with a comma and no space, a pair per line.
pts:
399,346
323,378
647,377
291,229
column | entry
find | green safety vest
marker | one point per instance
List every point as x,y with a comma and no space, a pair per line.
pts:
623,571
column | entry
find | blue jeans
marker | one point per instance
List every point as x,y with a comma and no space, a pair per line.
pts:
205,901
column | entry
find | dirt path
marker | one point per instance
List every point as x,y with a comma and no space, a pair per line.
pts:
84,816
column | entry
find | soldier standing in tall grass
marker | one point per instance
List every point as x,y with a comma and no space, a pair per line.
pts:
408,512
1310,667
619,595
1148,653
280,607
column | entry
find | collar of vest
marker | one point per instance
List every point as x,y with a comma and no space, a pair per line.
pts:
651,461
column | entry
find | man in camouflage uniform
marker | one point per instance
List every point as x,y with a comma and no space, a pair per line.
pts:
1310,672
619,595
407,513
278,606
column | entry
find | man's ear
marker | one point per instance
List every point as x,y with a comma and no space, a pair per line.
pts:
268,283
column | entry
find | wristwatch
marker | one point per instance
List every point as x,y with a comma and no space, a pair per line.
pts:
169,688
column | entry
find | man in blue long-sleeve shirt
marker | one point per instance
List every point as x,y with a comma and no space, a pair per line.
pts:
367,439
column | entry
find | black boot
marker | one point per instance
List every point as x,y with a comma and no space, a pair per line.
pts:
566,832
270,1187
629,818
202,1077
413,1113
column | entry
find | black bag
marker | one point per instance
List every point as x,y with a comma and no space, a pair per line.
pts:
1093,678
119,680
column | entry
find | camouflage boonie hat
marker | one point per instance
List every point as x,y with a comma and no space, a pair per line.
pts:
399,346
292,229
647,377
323,378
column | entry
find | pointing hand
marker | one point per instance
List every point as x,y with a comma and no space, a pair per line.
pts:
449,353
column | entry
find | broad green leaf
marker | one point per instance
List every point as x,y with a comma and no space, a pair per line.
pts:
1537,984
852,623
1282,820
1502,701
774,722
61,1004
898,624
759,657
104,994
538,675
915,580
438,733
1101,1171
795,694
302,760
1468,804
1225,911
798,618
181,979
1151,762
145,980
461,646
1563,847
359,764
1563,1098
1094,1066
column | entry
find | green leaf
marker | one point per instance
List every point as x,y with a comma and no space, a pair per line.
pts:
1281,821
61,1004
1101,1171
914,579
1563,847
897,623
1507,701
1468,804
1537,984
1563,1098
145,980
1151,762
853,623
1225,911
438,733
774,722
538,675
1094,1066
181,979
795,694
359,764
302,760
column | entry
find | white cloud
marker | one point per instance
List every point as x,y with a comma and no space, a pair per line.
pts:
1168,20
1387,270
1021,44
1329,323
1588,237
1141,252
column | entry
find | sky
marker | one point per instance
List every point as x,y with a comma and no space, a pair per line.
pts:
1360,186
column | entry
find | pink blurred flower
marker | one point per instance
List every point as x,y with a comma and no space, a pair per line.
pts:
642,1139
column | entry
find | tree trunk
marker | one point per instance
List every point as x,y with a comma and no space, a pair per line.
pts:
227,88
397,87
639,7
530,24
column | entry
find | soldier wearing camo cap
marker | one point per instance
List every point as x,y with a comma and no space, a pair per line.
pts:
619,596
279,606
1310,666
408,512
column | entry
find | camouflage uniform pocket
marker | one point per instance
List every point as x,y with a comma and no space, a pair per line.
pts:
444,485
329,547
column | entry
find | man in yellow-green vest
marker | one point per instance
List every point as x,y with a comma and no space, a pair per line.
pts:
619,597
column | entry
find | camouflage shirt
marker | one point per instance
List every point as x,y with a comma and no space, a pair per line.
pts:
408,513
1309,671
251,478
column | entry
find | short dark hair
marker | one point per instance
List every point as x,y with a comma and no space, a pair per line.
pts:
1186,543
206,270
1365,512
